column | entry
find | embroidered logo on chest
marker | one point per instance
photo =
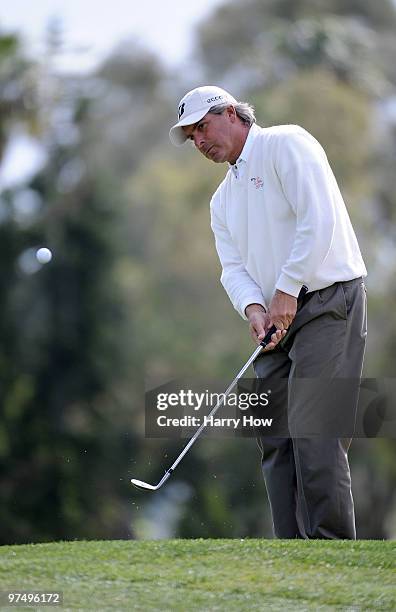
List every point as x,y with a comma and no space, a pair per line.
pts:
257,182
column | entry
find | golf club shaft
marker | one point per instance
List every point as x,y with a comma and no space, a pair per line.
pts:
254,355
267,339
218,405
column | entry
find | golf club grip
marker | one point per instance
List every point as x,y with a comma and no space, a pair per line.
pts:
267,339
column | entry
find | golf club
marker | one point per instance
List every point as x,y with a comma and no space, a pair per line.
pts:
148,487
145,486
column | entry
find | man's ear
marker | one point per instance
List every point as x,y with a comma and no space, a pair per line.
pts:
231,114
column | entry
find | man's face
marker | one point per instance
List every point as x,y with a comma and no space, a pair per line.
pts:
213,136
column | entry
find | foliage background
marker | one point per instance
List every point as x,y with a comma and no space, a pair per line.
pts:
132,297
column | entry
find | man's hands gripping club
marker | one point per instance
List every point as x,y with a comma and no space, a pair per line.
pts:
281,313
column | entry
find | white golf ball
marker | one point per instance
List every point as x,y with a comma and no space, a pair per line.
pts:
44,255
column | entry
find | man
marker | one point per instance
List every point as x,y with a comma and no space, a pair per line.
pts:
280,223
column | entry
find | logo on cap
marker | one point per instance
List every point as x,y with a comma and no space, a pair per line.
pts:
209,100
181,109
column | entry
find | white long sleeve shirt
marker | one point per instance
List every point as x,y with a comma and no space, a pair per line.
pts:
279,220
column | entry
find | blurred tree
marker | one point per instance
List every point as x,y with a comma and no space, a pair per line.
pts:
66,337
133,291
271,40
18,93
338,115
128,108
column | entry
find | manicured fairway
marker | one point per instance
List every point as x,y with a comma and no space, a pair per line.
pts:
184,575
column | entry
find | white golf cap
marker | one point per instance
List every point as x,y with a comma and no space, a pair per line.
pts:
195,104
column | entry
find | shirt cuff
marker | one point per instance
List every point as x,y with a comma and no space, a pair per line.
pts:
253,299
288,285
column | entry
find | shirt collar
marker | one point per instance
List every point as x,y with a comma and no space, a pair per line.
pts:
244,156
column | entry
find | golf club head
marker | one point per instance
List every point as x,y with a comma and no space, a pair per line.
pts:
143,486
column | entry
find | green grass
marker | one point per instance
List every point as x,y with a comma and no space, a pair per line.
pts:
184,575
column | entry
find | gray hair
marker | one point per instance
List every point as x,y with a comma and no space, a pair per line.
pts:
244,111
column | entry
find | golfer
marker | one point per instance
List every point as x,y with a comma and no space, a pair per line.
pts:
280,223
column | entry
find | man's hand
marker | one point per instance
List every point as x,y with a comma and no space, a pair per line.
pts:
259,324
282,310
